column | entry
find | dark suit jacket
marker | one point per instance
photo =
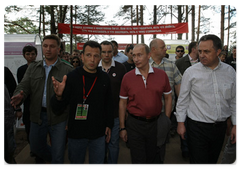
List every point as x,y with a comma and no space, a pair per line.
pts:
231,61
183,63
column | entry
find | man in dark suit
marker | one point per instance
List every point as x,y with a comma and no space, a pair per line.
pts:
232,59
188,60
182,64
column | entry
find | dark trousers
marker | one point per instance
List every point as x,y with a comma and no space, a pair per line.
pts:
142,139
205,141
184,143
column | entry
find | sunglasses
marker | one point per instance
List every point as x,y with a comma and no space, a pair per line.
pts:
75,61
180,51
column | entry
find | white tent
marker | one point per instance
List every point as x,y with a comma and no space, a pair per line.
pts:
13,45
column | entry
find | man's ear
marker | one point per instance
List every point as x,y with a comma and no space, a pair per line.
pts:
218,52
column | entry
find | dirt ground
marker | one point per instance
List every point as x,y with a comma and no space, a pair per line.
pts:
21,141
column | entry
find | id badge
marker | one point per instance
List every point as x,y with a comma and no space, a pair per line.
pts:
81,112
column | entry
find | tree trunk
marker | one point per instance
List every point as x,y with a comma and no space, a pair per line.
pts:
75,35
137,21
43,16
155,18
222,23
141,12
171,19
186,20
193,22
71,23
60,19
40,20
228,25
64,12
179,19
199,16
88,19
53,27
132,19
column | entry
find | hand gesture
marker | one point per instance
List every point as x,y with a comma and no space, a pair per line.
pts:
17,99
59,87
108,134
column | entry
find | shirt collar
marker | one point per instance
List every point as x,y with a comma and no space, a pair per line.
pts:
112,64
218,66
45,65
151,61
190,58
137,72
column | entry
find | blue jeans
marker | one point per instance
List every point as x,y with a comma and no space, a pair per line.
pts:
77,150
113,145
38,140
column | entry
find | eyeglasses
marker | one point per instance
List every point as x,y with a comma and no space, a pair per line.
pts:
180,51
75,61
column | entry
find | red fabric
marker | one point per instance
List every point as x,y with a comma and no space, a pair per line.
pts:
145,102
124,30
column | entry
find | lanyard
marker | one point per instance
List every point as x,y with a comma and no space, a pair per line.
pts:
84,93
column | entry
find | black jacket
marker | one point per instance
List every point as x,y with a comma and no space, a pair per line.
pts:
100,112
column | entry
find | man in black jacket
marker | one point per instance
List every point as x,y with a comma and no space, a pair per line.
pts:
232,59
87,90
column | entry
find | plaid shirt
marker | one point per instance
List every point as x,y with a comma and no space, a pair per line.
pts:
173,74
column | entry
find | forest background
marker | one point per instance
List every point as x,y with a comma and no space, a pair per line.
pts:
43,19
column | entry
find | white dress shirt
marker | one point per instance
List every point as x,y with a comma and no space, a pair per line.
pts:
207,95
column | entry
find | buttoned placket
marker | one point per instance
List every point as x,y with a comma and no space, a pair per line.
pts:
144,81
216,93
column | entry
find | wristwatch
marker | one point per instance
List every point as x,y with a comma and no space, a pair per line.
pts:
120,129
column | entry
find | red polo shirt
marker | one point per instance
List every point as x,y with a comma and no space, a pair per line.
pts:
145,96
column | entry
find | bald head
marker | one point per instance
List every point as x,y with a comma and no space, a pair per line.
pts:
158,49
155,42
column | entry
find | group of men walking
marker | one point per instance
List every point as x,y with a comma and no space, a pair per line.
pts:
96,103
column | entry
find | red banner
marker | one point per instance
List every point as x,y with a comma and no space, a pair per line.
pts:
80,46
124,30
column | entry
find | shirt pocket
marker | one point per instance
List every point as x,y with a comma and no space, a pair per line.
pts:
227,91
36,80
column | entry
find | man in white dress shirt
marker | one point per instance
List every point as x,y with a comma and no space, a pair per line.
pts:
207,98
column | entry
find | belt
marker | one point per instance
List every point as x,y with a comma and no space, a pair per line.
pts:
44,109
145,119
219,124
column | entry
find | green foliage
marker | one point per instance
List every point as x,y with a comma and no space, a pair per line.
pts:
87,14
20,26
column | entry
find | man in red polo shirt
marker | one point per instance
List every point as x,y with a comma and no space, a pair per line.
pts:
141,94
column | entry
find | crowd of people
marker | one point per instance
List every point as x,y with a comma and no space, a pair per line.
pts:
95,97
